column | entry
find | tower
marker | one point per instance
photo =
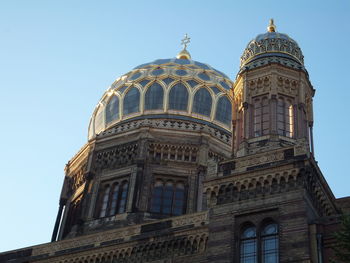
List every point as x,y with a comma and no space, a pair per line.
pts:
273,96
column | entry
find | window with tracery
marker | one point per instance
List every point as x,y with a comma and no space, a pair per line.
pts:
224,110
168,197
154,97
285,117
112,109
131,102
202,102
261,117
259,245
112,198
178,97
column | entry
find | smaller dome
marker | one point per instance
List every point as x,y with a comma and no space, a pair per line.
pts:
272,44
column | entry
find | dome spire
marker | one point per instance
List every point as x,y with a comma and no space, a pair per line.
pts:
271,27
184,54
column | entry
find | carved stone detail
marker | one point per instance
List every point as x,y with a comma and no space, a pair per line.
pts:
287,86
259,86
169,124
121,155
158,151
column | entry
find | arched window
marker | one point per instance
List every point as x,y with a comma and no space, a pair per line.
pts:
285,117
269,243
248,245
202,102
179,199
112,109
123,197
224,110
112,199
259,246
131,101
168,198
178,97
157,197
261,117
99,124
154,97
114,202
105,201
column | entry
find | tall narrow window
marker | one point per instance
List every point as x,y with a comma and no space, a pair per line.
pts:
179,199
112,109
261,117
178,97
269,243
248,245
154,97
131,101
157,197
202,102
285,117
112,199
105,201
123,197
115,195
99,122
168,198
224,110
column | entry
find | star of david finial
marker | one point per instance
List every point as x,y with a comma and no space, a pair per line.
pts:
185,41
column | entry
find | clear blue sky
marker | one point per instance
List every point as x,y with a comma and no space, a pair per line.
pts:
58,57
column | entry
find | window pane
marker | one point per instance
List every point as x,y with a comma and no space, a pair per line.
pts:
154,97
202,102
157,197
248,251
249,232
178,97
270,249
112,109
131,101
270,229
115,194
104,202
123,197
224,111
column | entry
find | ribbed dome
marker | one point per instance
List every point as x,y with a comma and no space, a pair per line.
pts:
166,88
272,44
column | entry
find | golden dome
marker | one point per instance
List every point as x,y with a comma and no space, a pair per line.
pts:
183,54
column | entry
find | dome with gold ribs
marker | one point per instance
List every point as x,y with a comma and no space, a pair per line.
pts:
178,88
270,47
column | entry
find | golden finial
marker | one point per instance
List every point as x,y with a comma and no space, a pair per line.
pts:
271,27
184,54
